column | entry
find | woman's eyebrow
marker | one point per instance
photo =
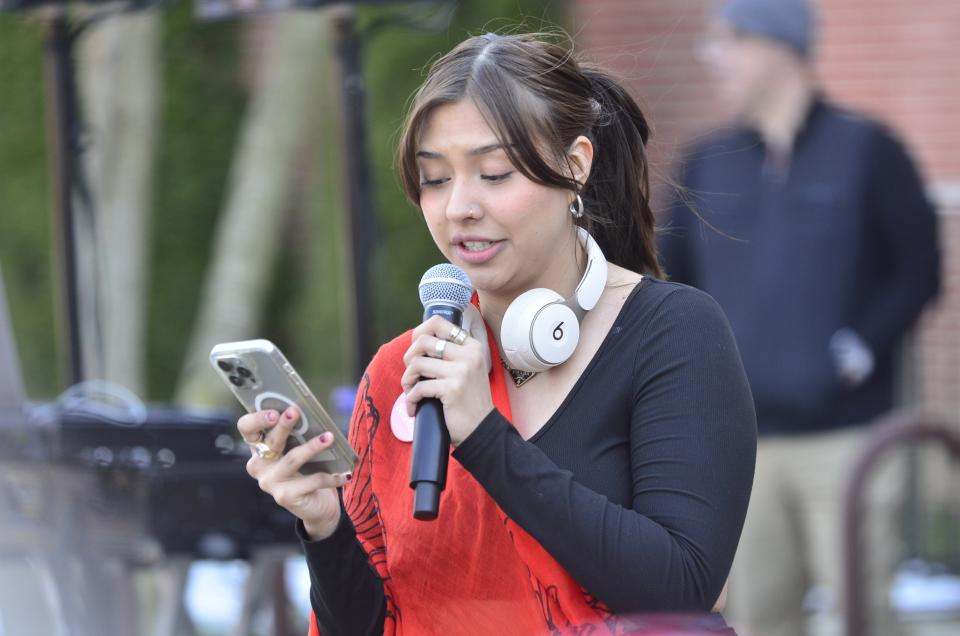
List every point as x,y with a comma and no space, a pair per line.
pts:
480,150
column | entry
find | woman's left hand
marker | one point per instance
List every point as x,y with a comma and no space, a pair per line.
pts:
458,379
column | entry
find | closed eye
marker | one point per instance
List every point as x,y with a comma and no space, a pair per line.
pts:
496,178
491,178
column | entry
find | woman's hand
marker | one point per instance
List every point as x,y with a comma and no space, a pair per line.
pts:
312,498
458,379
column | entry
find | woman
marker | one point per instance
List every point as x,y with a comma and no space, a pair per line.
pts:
611,484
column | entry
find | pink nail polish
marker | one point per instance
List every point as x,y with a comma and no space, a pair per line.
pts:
349,476
325,437
271,416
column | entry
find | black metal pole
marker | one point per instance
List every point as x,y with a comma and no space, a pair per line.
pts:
62,144
360,208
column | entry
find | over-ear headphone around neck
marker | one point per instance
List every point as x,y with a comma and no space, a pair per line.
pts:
541,328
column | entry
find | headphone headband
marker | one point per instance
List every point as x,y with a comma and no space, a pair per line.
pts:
591,285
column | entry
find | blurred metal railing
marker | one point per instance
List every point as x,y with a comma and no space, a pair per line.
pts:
895,431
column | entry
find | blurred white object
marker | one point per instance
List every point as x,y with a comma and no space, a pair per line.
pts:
298,583
214,594
920,589
851,356
215,591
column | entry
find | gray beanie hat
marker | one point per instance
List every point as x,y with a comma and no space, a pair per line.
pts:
791,22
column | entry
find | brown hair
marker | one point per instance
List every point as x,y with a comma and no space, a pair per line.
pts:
538,99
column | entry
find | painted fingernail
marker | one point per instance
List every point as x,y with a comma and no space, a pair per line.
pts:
348,476
271,416
325,437
288,413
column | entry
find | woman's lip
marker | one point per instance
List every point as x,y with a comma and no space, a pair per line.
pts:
476,258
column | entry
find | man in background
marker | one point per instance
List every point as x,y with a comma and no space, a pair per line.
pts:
809,225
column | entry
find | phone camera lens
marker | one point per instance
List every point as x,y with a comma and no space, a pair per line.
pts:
236,380
244,371
225,365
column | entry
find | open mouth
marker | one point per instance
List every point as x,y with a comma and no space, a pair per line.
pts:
477,246
477,252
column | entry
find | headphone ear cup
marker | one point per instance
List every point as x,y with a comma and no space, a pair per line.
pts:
539,331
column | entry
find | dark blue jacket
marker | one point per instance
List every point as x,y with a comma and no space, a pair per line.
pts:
840,234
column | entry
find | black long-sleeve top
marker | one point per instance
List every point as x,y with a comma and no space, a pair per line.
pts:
837,235
637,485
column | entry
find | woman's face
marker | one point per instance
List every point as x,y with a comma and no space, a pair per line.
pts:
506,232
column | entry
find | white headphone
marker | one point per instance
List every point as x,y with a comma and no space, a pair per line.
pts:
540,328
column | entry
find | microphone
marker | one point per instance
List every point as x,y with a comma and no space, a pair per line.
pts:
445,290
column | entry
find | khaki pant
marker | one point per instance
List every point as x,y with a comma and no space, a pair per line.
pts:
793,535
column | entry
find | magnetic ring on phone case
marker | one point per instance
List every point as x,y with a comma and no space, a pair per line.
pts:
280,403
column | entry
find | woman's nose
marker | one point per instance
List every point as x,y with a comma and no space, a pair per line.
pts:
462,205
463,213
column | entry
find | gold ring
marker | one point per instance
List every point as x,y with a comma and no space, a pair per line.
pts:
263,451
439,348
458,336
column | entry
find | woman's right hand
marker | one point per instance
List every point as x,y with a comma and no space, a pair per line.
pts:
312,498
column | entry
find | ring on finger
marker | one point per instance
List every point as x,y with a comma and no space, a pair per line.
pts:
457,336
438,348
264,451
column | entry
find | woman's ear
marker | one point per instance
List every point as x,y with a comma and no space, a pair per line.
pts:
580,158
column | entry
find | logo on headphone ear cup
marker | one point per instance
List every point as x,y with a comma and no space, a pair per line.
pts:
539,331
555,334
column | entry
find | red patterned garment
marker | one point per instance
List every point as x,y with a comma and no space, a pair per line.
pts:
472,570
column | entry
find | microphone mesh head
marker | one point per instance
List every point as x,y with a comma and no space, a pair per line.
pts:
445,283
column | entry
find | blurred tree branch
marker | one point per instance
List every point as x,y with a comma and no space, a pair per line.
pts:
120,84
278,119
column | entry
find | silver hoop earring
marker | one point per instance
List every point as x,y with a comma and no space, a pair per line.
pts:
576,208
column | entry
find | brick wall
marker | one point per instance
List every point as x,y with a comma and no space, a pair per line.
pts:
894,60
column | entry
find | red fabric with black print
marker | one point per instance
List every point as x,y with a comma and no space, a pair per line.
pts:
471,571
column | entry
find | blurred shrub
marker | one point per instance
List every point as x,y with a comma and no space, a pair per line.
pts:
203,102
24,202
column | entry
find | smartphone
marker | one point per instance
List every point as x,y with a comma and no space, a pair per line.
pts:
259,375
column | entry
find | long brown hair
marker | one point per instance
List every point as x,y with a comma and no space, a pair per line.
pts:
538,99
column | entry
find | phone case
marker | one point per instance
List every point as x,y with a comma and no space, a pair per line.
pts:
260,377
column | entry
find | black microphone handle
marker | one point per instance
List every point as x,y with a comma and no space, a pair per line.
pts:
428,466
431,440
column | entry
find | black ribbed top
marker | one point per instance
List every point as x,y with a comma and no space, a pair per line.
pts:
637,485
